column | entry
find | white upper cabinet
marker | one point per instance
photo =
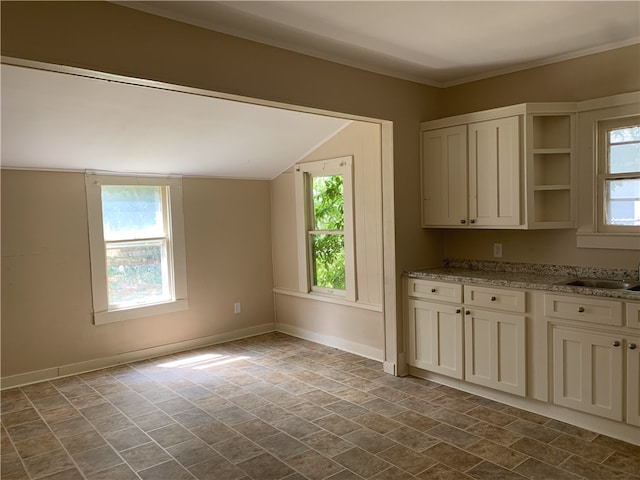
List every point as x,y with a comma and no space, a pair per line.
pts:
444,176
510,167
494,172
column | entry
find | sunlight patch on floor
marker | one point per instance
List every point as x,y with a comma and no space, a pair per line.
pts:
203,361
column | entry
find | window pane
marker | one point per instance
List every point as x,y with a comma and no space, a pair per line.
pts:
623,202
629,134
328,261
328,203
137,273
624,158
130,212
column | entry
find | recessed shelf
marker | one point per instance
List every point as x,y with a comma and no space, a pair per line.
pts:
548,151
552,205
551,169
551,131
547,188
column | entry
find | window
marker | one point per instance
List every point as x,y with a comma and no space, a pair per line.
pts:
619,175
137,246
325,218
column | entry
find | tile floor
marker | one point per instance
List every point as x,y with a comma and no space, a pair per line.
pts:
277,407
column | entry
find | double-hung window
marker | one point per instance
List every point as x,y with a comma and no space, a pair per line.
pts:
324,196
619,175
137,246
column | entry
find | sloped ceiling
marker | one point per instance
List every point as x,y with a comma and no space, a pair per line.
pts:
56,120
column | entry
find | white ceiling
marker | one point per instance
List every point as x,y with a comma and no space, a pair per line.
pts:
438,43
55,120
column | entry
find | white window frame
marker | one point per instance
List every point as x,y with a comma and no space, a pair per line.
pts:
102,313
304,203
592,113
604,127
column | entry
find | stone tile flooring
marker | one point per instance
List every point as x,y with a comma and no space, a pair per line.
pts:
277,407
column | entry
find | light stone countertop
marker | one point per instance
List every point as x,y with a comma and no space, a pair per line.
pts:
527,276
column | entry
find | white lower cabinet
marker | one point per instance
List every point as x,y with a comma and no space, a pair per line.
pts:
587,371
585,349
464,337
495,350
436,337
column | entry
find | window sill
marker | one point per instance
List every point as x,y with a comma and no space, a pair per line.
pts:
614,241
328,299
101,318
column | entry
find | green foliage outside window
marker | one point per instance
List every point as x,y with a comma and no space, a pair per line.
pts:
328,246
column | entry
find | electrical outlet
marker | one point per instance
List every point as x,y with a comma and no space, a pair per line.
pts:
497,250
236,308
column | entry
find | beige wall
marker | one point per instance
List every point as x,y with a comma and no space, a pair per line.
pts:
361,140
110,38
592,76
46,284
603,74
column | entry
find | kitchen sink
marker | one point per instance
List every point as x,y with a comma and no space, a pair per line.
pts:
600,283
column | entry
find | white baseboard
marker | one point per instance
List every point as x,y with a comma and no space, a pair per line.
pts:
127,357
611,428
331,341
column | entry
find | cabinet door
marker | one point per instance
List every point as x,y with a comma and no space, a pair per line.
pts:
587,372
444,176
633,381
633,315
495,350
435,337
494,172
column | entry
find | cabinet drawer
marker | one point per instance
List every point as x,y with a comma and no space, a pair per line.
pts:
442,291
498,299
604,312
633,315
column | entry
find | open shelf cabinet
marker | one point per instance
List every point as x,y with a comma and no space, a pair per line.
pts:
549,152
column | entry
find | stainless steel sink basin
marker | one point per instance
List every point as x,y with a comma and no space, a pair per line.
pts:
600,283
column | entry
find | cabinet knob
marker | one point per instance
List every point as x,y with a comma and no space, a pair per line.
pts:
467,312
472,221
580,309
433,290
493,299
463,221
458,311
632,346
616,343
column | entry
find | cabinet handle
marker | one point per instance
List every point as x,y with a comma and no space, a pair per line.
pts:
632,346
463,221
472,221
493,299
458,311
433,290
580,309
467,312
616,343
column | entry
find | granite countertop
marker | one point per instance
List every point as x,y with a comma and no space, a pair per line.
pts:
527,276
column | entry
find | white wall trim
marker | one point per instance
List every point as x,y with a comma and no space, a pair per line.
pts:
328,299
134,356
335,342
604,426
608,240
389,367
